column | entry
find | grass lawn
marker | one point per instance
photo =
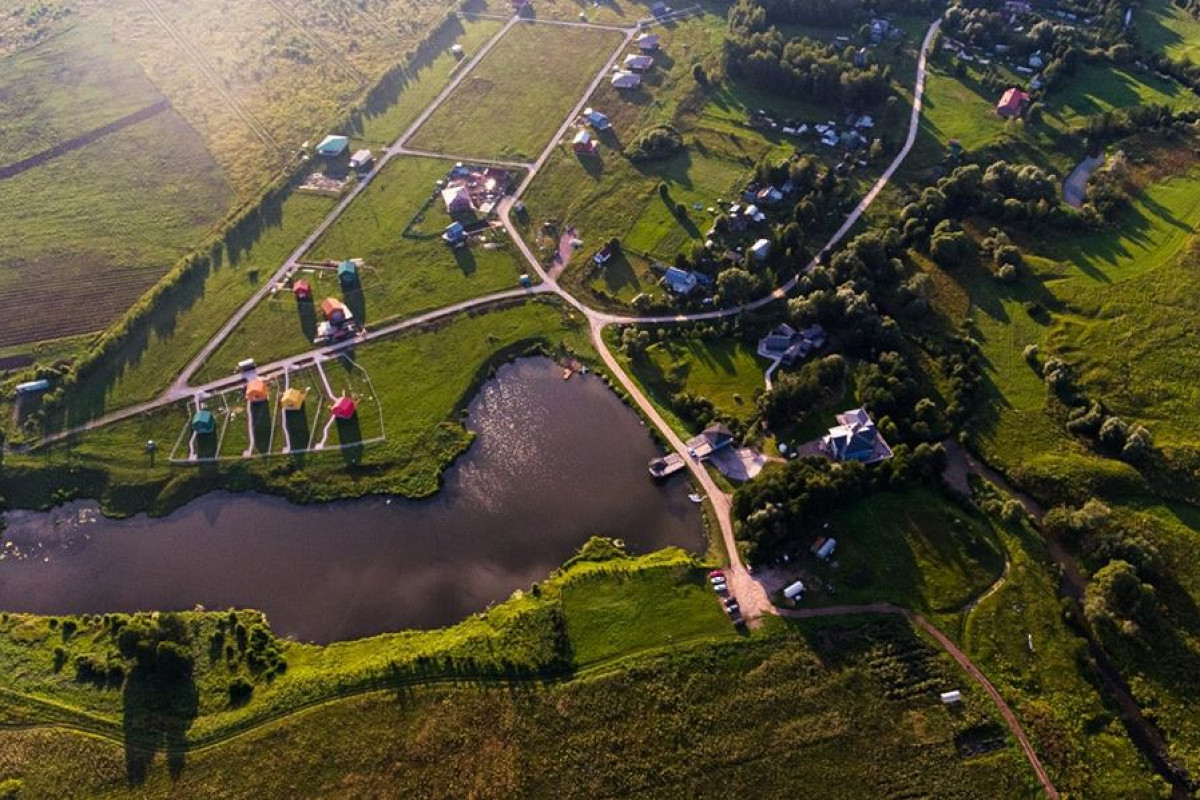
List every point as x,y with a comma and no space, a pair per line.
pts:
406,92
395,226
912,548
515,99
1096,88
1164,27
725,371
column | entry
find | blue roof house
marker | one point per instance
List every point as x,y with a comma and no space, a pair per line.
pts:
679,281
333,146
347,272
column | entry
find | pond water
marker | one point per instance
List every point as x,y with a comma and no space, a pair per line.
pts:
554,462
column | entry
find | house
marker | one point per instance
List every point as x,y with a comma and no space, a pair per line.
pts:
639,63
302,289
335,311
598,121
333,146
457,199
344,408
33,387
1036,83
457,51
292,400
626,80
760,249
768,195
713,438
361,159
256,391
602,256
865,121
751,213
1036,61
454,233
582,144
855,438
1012,103
647,42
794,590
347,273
880,30
829,138
203,422
680,281
950,697
789,345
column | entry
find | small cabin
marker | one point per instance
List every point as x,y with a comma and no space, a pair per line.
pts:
793,591
302,289
344,408
361,159
335,311
950,697
333,146
292,400
256,391
347,272
203,422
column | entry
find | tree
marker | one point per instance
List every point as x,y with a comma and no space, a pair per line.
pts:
1117,598
949,246
735,285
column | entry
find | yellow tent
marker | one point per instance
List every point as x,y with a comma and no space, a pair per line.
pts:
292,400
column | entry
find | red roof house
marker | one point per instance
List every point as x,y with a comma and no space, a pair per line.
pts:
335,310
583,143
343,408
1012,103
302,289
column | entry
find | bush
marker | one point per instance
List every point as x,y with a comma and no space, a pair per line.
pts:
659,142
240,690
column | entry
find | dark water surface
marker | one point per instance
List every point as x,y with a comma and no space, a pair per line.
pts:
554,463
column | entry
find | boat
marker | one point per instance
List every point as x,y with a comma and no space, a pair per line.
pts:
695,498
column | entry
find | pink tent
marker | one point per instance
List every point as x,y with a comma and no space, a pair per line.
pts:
344,407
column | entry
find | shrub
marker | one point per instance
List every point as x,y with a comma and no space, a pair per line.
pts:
240,690
659,142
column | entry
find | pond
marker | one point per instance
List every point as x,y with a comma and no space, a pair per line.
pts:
555,462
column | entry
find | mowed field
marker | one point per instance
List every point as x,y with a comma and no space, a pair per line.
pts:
517,97
1164,27
395,226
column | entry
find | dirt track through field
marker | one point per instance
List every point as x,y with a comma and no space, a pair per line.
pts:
84,139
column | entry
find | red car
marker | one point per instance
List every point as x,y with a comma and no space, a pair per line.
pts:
716,573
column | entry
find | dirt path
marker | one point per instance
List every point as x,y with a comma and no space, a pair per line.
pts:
1010,719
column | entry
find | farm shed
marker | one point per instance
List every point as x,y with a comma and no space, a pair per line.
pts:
335,310
361,158
626,80
302,289
597,120
347,272
582,144
640,63
647,42
33,387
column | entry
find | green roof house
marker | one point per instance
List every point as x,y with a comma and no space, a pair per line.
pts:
203,421
347,272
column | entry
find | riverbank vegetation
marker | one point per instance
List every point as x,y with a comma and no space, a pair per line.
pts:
434,702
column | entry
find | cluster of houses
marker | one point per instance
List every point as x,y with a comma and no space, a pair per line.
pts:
335,144
629,74
338,320
584,143
469,190
852,135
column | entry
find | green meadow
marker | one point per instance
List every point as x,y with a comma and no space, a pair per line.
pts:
516,98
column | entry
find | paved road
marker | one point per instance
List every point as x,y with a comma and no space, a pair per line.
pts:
1075,186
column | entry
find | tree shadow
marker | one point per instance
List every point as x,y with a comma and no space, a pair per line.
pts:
465,258
350,437
157,713
298,431
307,312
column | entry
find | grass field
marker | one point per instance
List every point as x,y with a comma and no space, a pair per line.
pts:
725,371
395,226
1080,739
1164,27
1097,88
516,98
670,713
420,380
912,548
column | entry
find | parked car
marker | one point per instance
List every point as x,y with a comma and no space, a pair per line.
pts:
716,573
733,608
721,588
730,601
715,581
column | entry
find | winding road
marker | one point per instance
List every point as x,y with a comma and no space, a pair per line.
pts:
750,593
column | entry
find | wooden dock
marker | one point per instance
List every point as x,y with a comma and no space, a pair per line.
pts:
667,465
